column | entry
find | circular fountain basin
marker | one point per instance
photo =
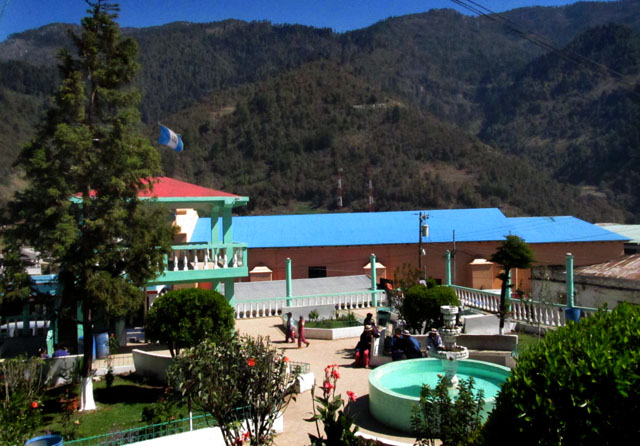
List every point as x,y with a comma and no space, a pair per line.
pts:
394,388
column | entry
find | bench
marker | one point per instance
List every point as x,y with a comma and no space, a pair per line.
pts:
490,348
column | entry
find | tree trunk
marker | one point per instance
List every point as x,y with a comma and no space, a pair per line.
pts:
87,402
503,302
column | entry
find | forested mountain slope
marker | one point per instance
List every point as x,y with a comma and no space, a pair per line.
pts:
285,138
578,121
468,113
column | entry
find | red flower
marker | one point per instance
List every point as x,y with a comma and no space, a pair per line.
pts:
335,373
327,386
34,405
352,395
251,362
285,359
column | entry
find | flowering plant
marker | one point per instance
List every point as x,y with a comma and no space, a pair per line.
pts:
244,389
338,424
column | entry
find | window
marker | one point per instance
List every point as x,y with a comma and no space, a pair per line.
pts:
317,271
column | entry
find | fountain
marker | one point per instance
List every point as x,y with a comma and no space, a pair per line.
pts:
394,388
452,353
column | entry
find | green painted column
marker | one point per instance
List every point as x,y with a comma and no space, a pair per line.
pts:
374,280
229,291
215,225
227,232
289,284
448,268
569,284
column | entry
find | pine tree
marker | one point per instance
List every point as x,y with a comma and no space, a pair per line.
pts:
85,170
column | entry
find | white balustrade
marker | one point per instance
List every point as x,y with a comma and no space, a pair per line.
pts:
273,307
529,312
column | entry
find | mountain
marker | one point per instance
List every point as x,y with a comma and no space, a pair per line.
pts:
443,109
575,119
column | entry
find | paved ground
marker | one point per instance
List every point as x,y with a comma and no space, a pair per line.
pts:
319,354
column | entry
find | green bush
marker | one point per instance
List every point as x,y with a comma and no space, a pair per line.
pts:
184,318
581,385
422,304
21,387
438,416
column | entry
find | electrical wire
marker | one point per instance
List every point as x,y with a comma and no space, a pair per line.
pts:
517,29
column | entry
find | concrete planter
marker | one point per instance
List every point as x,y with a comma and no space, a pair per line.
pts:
333,333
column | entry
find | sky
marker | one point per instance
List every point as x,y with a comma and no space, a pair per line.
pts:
340,15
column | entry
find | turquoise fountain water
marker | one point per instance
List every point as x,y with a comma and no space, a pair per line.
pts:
394,388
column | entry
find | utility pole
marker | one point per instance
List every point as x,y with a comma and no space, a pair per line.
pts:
423,231
339,199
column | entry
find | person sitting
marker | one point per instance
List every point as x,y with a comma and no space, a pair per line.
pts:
60,352
434,342
363,348
42,353
397,345
369,321
412,346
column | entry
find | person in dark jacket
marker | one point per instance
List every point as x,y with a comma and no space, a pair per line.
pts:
363,348
412,346
397,345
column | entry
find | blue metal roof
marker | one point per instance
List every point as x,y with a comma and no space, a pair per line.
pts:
377,228
560,229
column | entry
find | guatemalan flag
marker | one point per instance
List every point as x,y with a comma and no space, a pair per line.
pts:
170,139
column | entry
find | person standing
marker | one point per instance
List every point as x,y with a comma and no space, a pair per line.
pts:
290,332
301,337
363,348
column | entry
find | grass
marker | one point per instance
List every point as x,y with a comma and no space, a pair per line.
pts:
526,340
118,408
332,323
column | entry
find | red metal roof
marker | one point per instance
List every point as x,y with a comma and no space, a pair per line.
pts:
627,267
165,187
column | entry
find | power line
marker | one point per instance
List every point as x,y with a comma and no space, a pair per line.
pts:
5,3
578,59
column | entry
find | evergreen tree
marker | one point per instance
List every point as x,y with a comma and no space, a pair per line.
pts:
514,253
86,168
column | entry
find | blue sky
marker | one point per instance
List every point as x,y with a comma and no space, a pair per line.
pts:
340,15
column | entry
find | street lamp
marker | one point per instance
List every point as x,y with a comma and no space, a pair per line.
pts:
423,231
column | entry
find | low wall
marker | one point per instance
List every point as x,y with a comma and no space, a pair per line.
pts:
506,343
333,333
152,366
208,435
490,348
485,324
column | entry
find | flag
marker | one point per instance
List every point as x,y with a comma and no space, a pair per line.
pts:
170,139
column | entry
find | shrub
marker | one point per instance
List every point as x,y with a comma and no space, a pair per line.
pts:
581,385
184,318
422,304
438,416
21,388
233,379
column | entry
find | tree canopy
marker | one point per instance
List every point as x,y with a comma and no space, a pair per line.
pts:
85,169
513,253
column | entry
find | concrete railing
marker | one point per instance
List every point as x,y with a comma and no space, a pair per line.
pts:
278,305
527,311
